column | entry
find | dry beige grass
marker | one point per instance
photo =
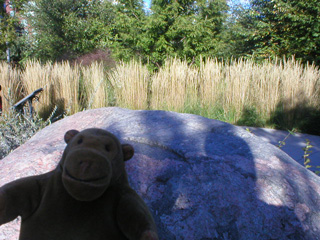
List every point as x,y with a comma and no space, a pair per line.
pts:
299,87
177,86
264,91
10,86
211,82
130,84
94,83
65,81
266,86
240,84
60,82
35,76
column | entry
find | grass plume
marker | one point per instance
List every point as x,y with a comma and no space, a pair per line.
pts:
282,93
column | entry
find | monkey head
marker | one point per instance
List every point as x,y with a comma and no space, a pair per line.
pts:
92,161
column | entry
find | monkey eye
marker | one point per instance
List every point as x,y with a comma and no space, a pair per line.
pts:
80,141
107,147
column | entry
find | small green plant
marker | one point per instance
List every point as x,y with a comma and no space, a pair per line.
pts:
248,130
250,117
283,142
306,154
306,151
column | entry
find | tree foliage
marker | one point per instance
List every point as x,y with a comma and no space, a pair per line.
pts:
67,27
282,27
183,28
125,35
10,28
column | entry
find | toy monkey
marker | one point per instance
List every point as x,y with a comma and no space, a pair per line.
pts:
87,197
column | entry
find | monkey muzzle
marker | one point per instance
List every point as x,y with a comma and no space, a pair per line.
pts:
86,174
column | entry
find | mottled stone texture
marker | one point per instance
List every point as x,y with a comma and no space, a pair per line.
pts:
202,178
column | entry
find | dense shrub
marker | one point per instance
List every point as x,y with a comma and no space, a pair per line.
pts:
16,129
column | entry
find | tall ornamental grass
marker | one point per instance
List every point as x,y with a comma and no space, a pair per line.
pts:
10,86
60,83
233,91
175,86
94,87
130,84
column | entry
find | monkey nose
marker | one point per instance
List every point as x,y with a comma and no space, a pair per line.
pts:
85,166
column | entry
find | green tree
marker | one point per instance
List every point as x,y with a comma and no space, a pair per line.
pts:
281,27
10,29
126,29
235,34
183,28
67,27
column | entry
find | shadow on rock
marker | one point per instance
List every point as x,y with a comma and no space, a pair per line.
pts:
206,179
202,178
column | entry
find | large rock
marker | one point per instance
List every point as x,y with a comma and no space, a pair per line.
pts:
202,178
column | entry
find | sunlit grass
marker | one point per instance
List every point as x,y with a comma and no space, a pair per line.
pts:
237,91
175,86
94,87
130,83
10,86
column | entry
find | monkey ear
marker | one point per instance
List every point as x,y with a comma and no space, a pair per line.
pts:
70,134
128,151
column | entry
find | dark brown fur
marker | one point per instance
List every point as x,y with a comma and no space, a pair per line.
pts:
86,197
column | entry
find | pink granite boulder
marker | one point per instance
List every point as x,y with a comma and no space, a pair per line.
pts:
202,178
